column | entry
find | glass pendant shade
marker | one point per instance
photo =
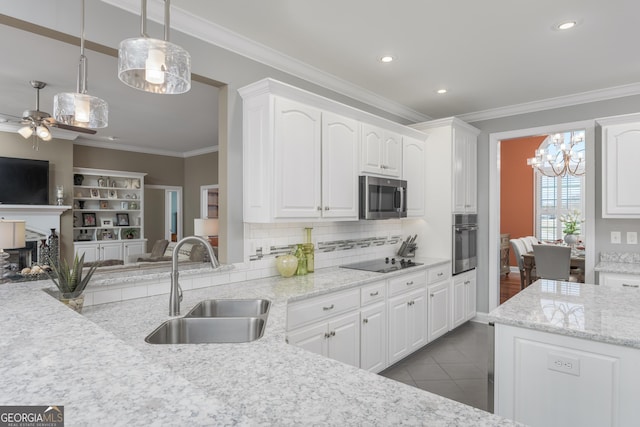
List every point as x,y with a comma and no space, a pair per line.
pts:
80,109
26,131
156,66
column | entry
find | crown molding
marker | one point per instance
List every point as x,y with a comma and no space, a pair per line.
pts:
551,103
215,34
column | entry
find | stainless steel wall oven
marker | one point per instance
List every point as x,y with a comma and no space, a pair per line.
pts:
465,242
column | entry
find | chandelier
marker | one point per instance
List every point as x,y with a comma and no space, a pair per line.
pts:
560,154
79,108
152,65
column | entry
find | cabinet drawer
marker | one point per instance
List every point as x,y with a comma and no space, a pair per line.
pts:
617,279
407,282
438,273
302,312
372,293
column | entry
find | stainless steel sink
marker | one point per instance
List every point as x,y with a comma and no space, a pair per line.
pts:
202,330
230,308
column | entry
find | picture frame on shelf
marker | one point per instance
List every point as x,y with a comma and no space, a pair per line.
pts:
88,219
94,193
104,204
113,194
122,219
124,206
106,222
107,235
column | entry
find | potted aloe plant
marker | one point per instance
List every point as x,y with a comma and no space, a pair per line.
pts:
71,282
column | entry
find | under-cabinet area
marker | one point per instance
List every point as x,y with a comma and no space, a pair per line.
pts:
377,324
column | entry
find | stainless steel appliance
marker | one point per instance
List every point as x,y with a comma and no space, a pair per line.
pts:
382,198
382,265
465,246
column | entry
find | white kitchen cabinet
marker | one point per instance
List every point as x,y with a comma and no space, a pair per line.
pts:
407,324
380,151
438,309
463,304
414,172
465,192
619,279
373,327
620,172
544,379
133,247
340,138
338,338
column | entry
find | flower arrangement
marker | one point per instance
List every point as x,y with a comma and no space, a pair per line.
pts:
571,222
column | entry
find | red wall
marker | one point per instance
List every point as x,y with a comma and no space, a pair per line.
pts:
516,187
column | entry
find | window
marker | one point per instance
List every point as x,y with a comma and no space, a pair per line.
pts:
557,195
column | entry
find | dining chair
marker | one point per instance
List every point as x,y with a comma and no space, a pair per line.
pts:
518,250
529,241
552,261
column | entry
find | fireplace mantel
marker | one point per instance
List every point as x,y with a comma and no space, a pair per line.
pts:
39,218
33,209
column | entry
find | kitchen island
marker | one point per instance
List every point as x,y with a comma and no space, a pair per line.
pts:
568,354
98,366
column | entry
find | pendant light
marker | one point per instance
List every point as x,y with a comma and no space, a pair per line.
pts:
153,65
79,108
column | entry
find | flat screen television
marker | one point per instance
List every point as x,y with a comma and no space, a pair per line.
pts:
24,181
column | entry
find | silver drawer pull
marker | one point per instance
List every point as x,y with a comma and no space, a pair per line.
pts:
328,308
373,294
440,274
410,283
630,285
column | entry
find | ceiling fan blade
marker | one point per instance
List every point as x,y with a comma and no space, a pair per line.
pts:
72,128
10,118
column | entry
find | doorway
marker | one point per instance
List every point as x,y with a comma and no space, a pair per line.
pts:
168,200
495,196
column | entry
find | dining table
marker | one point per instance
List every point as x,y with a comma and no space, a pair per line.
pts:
529,262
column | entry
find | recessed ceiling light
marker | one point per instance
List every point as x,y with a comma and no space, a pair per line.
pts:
386,58
566,25
441,91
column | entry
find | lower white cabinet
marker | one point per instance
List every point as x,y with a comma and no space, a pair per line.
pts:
544,379
463,298
373,337
105,250
407,323
438,309
619,279
338,338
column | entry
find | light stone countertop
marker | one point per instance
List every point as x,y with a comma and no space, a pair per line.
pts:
609,314
619,262
98,366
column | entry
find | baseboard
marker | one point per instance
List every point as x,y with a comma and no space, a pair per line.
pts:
481,318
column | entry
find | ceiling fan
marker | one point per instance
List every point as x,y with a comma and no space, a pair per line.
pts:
37,123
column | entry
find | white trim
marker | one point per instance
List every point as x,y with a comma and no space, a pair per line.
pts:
494,199
144,150
481,318
215,34
551,103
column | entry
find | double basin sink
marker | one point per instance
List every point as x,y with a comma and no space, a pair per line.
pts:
215,321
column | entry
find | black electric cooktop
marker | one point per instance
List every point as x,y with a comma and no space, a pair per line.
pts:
385,265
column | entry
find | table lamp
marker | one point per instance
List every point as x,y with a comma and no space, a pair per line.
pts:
206,227
11,236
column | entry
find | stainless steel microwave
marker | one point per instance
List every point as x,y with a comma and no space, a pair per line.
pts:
382,198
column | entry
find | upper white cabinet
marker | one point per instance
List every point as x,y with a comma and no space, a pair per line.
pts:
381,151
302,154
620,172
465,192
414,172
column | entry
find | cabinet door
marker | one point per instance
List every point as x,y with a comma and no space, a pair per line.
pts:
312,338
297,130
464,171
373,343
392,154
91,252
134,248
470,296
417,322
344,339
340,139
414,172
110,251
398,338
371,149
458,301
620,172
438,310
619,280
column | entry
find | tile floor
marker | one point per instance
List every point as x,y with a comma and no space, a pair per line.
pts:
454,366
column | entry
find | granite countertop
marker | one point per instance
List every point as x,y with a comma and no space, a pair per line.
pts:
98,366
599,313
619,262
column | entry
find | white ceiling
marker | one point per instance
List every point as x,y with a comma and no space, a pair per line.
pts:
491,56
